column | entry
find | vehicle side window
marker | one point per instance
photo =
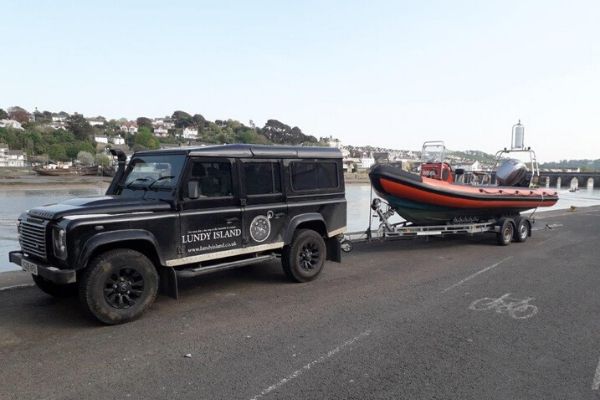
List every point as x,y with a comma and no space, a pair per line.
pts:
214,178
262,178
314,175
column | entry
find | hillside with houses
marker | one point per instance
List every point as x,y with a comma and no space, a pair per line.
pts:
40,137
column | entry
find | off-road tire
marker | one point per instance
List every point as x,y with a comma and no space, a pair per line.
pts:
303,259
118,286
55,289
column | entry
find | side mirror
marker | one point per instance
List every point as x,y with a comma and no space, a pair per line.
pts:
193,190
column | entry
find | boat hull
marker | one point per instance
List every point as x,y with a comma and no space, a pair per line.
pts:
426,201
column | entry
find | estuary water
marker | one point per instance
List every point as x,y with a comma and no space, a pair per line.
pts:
14,201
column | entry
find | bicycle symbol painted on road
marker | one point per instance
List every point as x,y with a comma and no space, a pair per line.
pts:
516,308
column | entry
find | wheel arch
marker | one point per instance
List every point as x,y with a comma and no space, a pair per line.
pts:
139,240
312,221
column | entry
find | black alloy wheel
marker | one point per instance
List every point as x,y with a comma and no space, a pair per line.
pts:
304,258
118,285
123,288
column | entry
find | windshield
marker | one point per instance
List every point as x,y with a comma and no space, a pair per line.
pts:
152,176
433,152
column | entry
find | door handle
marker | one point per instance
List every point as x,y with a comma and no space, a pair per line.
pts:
231,220
280,215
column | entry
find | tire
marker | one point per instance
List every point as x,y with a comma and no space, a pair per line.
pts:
118,286
346,246
522,229
506,232
54,289
304,258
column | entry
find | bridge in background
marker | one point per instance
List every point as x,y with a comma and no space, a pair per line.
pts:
565,179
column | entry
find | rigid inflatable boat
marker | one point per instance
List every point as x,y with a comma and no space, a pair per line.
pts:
431,200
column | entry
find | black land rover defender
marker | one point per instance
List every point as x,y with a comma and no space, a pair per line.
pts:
186,212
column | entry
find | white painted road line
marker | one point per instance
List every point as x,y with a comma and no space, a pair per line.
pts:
596,383
26,285
311,364
468,278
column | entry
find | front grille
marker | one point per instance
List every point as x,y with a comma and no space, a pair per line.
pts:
32,237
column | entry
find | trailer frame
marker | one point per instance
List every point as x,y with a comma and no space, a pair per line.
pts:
507,228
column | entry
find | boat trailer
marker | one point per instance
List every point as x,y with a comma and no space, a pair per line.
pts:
507,229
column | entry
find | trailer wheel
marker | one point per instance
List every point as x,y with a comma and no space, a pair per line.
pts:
506,232
118,286
346,246
522,229
303,259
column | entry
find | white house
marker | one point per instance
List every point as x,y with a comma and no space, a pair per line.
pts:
190,133
98,121
10,123
118,140
101,139
367,162
161,131
130,127
11,158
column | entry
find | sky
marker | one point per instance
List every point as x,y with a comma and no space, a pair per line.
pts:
383,73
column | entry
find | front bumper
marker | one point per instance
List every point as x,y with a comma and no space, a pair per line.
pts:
53,274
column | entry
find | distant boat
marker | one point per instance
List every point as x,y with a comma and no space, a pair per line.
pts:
77,171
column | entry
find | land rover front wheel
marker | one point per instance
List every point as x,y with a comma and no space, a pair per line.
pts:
54,289
304,258
118,285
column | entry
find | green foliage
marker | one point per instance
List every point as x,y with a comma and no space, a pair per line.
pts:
74,148
82,130
585,165
280,133
102,160
85,158
182,119
57,152
144,139
3,114
143,122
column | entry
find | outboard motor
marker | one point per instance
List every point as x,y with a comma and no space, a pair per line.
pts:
512,172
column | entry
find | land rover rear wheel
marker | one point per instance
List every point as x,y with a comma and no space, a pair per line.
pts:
54,289
304,258
118,286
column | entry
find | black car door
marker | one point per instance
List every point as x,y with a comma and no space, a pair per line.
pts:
265,214
210,216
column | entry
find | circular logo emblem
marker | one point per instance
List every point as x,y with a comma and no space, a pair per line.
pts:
260,228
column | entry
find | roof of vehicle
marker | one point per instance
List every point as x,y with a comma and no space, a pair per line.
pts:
252,151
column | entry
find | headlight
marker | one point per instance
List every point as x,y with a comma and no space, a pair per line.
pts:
59,240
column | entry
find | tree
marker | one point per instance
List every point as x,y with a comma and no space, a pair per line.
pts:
57,152
73,149
145,139
19,114
82,130
144,122
85,158
199,122
182,119
3,114
102,160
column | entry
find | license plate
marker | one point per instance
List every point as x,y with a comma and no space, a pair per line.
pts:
30,267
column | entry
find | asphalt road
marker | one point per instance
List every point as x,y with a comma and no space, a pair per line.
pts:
396,320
